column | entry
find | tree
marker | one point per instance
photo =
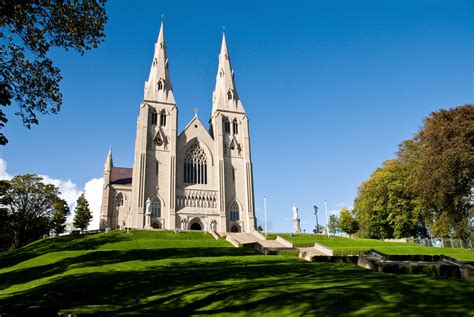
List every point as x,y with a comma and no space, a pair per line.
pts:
83,215
386,202
29,203
333,225
446,170
318,229
347,222
29,29
428,185
59,216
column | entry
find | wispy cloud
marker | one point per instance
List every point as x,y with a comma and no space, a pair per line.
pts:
70,192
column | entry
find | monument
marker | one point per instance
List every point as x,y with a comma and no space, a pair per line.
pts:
296,220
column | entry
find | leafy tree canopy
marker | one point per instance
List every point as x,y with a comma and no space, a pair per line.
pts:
347,222
446,169
28,29
428,185
29,204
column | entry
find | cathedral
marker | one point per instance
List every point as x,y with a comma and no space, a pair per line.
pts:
199,179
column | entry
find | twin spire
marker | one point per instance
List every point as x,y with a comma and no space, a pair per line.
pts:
158,87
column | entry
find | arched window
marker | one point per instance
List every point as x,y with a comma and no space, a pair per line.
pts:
226,125
234,211
235,126
230,94
119,200
195,165
161,84
156,208
154,117
163,118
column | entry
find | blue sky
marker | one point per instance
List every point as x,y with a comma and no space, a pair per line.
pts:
331,88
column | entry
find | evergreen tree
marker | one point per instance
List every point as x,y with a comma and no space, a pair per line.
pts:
333,225
83,215
58,218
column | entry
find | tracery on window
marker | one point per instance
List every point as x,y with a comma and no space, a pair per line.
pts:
119,200
156,208
195,165
234,211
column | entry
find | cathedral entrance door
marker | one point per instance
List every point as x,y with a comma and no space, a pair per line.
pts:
196,226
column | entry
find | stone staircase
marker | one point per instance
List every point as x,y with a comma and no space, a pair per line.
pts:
258,241
245,237
309,253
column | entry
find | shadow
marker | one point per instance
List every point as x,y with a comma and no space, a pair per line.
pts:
66,243
101,258
209,283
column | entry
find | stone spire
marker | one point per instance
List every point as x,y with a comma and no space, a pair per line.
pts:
225,96
109,162
158,87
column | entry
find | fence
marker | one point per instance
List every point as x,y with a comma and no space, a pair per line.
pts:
445,243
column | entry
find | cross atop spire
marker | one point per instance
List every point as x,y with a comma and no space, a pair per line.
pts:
158,87
225,95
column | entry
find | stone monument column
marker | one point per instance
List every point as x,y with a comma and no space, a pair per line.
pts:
296,220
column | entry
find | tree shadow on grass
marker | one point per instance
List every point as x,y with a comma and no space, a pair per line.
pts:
109,257
247,285
66,243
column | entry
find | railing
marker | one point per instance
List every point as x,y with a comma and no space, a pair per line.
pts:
445,243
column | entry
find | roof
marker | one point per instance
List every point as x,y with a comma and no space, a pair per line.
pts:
121,175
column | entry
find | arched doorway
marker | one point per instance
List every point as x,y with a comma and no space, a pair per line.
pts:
235,228
156,225
196,226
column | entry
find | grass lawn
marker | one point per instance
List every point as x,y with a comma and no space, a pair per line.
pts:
341,245
162,273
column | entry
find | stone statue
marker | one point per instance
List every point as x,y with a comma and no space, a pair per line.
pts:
148,213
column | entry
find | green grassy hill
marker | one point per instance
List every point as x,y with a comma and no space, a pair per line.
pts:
163,273
341,245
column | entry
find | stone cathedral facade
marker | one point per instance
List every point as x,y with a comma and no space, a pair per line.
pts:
199,179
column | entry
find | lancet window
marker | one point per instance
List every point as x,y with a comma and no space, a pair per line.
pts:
119,200
156,208
154,117
235,126
234,211
161,84
226,125
195,165
163,118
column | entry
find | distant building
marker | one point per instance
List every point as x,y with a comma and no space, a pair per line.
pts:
200,179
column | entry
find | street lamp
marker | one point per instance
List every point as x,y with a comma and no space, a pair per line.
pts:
316,214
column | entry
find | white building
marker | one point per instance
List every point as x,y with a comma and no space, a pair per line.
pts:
200,179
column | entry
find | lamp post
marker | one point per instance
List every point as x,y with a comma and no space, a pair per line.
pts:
327,218
265,210
316,215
